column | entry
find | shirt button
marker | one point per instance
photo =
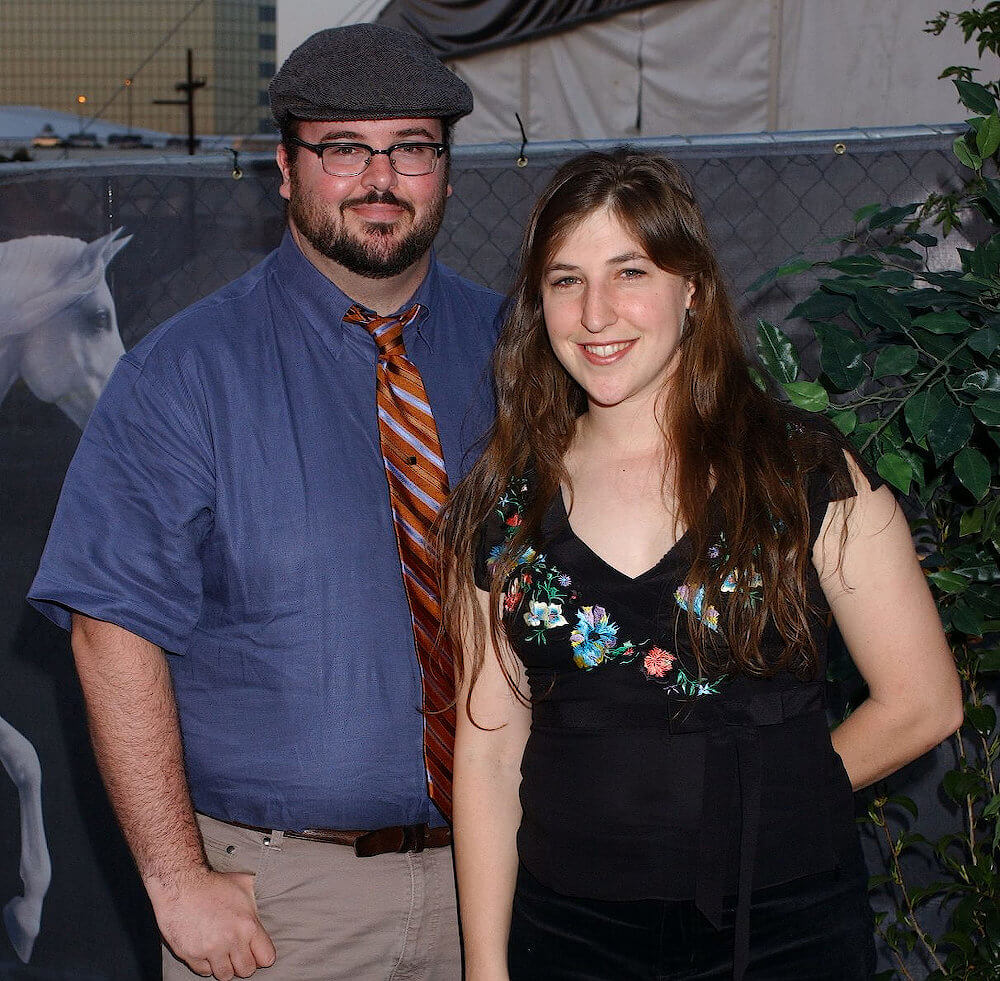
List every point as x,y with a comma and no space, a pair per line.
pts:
230,849
267,840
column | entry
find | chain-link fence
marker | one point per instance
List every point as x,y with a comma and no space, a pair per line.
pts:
195,226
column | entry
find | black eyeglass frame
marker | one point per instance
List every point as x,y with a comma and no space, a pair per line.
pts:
319,149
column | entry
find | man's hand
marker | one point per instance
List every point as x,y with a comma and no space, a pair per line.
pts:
209,920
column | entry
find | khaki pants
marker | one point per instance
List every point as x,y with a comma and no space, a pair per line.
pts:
336,917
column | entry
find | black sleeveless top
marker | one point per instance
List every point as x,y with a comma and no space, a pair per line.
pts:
640,778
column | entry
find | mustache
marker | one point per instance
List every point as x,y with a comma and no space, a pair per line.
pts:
374,197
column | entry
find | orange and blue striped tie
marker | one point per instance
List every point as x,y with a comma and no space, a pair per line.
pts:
418,487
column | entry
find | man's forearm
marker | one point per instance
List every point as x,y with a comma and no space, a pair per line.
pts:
133,725
208,919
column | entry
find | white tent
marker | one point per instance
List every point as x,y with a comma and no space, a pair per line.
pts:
698,66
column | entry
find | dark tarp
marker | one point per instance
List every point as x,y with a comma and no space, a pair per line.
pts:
457,28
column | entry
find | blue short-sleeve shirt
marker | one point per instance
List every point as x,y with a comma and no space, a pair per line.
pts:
228,501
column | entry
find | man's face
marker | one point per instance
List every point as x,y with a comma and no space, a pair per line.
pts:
379,223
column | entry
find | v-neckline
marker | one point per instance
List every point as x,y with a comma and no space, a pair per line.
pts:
564,515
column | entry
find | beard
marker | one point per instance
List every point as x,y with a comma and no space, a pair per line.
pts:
375,253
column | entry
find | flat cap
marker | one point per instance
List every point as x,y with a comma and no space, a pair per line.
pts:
366,71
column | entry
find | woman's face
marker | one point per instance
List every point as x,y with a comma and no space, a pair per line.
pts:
613,317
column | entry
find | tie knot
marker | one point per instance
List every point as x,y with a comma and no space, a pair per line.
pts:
387,331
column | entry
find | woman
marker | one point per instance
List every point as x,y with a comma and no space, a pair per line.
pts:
642,567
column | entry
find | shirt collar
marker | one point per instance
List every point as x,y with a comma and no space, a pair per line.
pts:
323,304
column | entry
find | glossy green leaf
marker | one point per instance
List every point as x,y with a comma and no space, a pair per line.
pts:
895,359
961,149
777,352
866,212
882,309
989,662
973,469
983,382
947,322
841,356
908,804
902,252
966,619
985,341
949,582
982,718
925,239
988,136
987,409
892,216
950,430
921,410
976,97
858,265
845,421
959,784
821,306
807,395
971,522
895,470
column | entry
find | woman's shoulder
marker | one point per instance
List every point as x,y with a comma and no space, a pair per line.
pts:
825,458
501,523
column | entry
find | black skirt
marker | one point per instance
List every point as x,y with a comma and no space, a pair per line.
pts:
816,928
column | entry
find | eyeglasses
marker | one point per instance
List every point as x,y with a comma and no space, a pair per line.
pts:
352,159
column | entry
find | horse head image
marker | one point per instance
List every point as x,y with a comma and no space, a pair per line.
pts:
58,328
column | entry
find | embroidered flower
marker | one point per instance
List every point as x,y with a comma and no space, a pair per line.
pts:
547,615
494,556
563,579
729,583
594,636
686,598
514,520
658,662
513,597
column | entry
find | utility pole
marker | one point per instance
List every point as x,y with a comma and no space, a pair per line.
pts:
188,88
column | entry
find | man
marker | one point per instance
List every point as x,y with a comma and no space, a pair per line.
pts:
235,554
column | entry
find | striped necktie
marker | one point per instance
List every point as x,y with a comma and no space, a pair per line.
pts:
418,487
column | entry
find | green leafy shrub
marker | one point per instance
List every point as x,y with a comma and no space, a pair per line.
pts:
909,370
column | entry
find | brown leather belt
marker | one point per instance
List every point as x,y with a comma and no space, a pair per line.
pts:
381,841
366,844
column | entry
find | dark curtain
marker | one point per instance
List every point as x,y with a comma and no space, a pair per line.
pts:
461,27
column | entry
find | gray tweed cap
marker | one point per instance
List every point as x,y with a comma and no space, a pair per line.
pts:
366,71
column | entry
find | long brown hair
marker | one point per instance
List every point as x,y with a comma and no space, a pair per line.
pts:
726,438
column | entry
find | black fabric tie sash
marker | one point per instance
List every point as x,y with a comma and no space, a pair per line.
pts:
732,748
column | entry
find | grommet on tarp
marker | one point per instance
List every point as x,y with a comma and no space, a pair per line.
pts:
237,173
522,160
840,149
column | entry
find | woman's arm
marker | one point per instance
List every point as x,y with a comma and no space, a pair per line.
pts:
487,811
888,620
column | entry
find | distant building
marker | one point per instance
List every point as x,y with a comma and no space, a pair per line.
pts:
76,55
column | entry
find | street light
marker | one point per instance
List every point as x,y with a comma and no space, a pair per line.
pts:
128,102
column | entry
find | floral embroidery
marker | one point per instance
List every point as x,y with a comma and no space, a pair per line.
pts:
547,614
691,596
546,596
686,597
657,662
594,637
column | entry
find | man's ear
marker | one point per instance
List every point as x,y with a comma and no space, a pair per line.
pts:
447,191
285,166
